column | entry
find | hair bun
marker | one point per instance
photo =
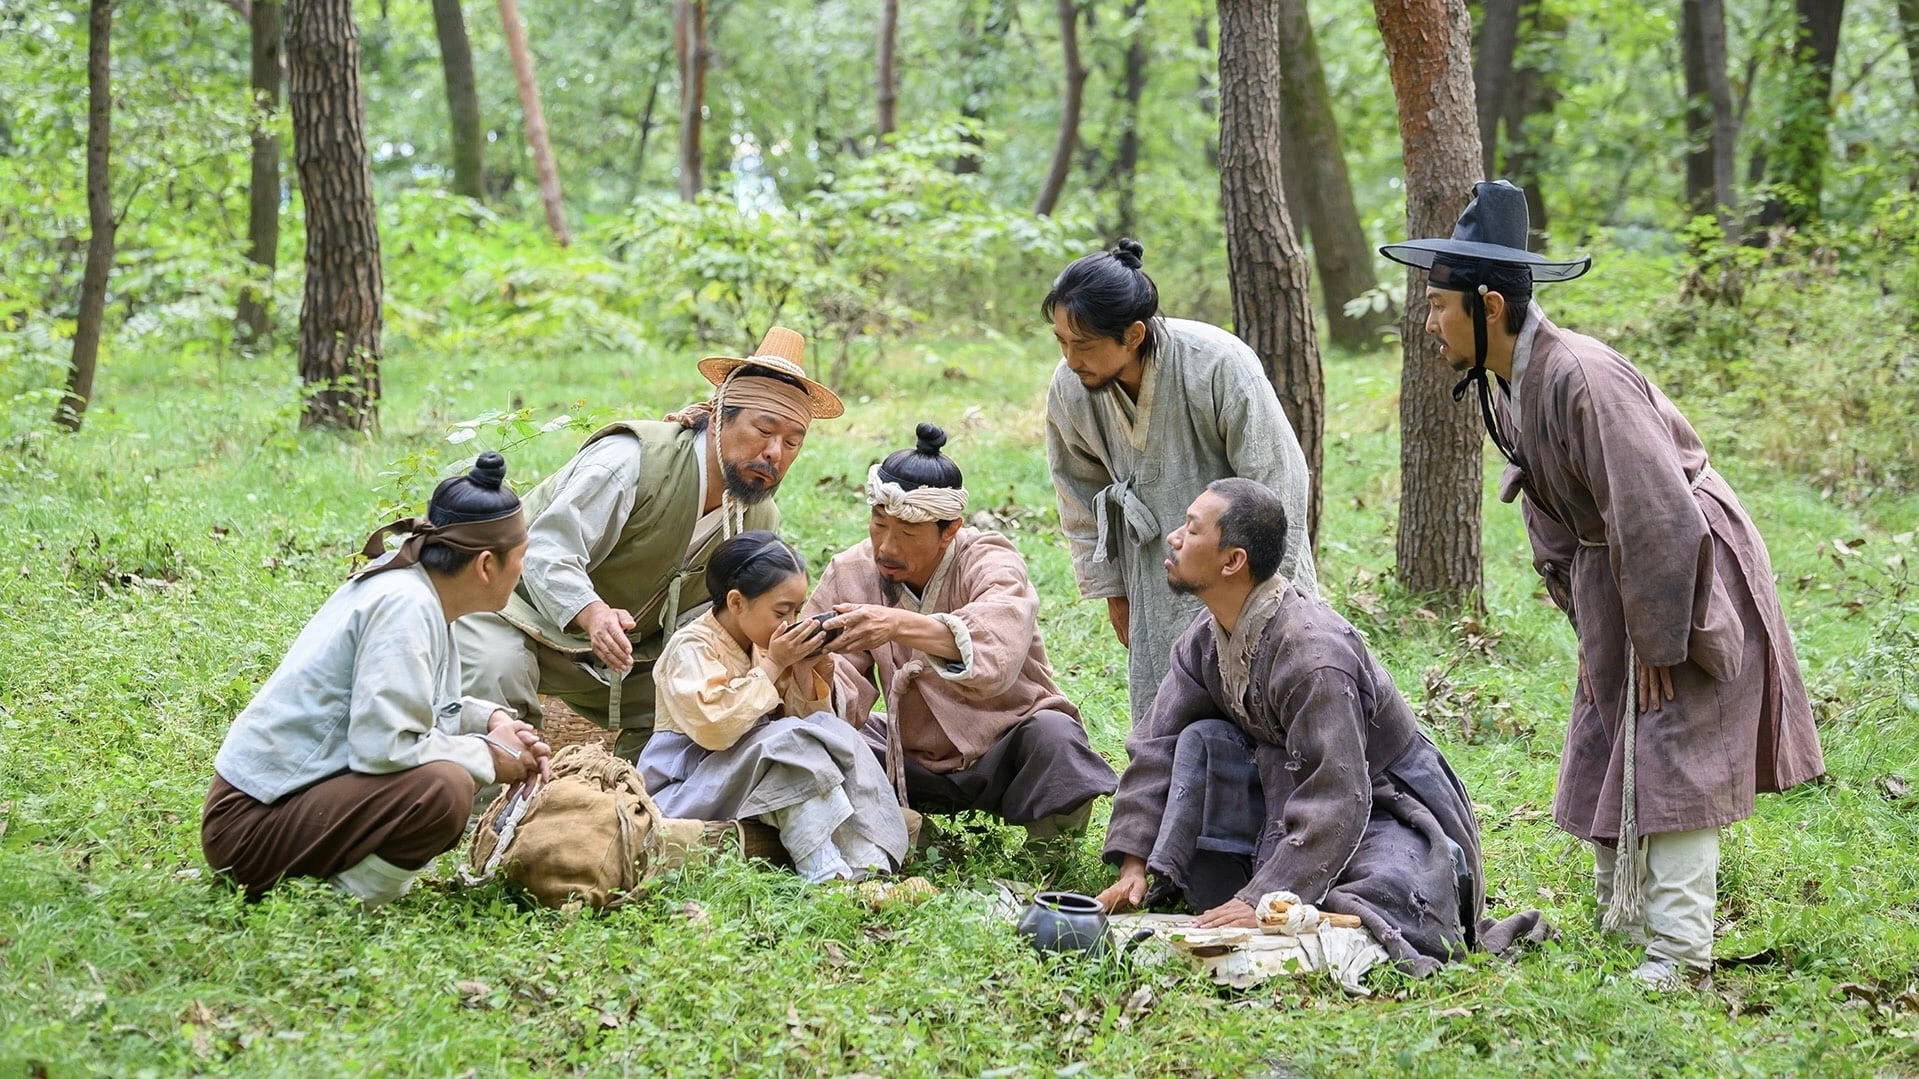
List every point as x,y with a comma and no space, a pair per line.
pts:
1130,253
931,439
489,470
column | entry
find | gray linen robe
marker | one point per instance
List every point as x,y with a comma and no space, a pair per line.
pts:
1359,804
1126,472
1648,556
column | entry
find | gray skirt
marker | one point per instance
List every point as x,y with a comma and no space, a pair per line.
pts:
778,764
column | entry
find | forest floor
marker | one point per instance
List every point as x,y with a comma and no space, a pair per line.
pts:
156,566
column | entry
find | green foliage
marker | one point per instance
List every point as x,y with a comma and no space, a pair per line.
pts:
1801,353
193,530
896,240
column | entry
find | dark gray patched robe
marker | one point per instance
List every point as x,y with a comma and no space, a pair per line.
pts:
1358,805
1650,553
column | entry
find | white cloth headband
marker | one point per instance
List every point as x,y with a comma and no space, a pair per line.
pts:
917,506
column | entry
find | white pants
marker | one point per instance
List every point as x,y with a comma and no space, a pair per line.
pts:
1681,888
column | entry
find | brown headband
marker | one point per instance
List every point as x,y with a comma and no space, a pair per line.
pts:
467,537
768,395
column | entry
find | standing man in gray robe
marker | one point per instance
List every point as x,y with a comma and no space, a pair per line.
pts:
619,539
1279,757
1689,696
1143,413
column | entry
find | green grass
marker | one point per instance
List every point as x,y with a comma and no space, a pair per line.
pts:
117,958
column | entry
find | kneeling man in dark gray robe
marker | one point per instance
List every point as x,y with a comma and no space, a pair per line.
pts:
1278,756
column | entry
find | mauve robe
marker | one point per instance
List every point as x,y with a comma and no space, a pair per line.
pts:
1641,562
952,713
1359,804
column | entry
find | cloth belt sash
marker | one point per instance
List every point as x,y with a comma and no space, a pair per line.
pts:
1628,903
1120,513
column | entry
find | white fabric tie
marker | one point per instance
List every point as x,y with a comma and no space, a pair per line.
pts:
917,506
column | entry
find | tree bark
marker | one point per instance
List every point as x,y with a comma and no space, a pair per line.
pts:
1132,87
1208,94
535,118
100,220
1272,301
462,98
1068,141
888,74
340,317
1710,130
1909,27
1319,193
1799,159
1493,75
254,314
979,50
689,39
1440,478
1531,97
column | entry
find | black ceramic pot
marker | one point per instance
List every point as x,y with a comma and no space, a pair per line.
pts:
1065,922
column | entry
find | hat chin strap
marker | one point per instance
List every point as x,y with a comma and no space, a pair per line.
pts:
1476,303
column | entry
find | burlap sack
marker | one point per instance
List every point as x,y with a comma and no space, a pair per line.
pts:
590,835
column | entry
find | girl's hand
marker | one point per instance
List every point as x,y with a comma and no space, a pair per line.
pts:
794,642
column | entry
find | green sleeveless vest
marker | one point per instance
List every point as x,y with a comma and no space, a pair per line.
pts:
649,572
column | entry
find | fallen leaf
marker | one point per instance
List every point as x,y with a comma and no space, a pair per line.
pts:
1894,787
473,991
694,912
608,1020
1858,992
835,955
1454,1013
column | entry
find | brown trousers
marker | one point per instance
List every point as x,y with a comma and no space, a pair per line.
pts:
407,818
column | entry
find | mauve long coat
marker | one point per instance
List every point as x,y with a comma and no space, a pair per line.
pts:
1644,557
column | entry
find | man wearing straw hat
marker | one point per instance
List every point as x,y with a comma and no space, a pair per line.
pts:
1689,698
624,527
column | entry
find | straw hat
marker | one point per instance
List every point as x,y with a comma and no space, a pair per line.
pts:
779,350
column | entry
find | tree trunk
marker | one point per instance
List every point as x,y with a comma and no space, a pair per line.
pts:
535,117
1207,92
689,39
979,50
462,98
1709,123
1799,158
1530,99
100,220
1068,141
1440,477
888,76
254,314
1132,87
1493,75
340,317
1272,302
1318,191
1909,26
647,124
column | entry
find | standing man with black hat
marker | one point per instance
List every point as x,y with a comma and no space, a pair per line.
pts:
1689,698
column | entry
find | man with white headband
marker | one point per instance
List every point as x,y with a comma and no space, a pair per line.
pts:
619,532
943,621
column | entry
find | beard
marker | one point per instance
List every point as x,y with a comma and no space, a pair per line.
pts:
748,489
888,588
1100,386
1180,585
